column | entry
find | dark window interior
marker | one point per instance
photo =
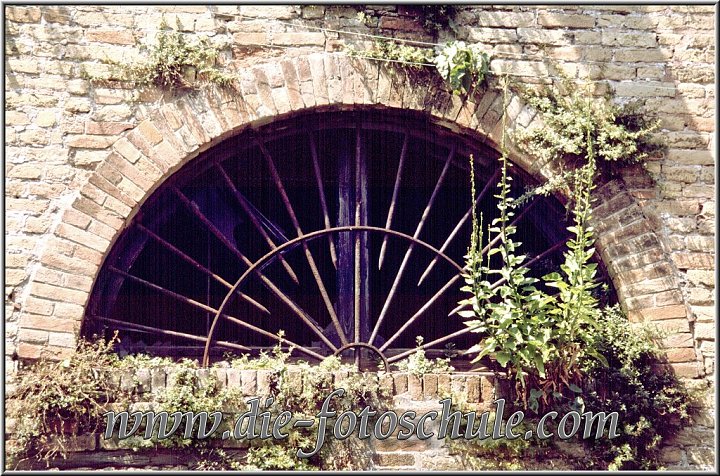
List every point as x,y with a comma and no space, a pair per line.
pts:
145,282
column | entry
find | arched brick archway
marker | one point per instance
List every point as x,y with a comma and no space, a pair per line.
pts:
176,131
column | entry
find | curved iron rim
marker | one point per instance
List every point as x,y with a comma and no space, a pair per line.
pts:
366,346
294,242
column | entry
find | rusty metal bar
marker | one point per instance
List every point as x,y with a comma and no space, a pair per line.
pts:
192,206
198,266
192,302
323,203
270,285
406,258
272,255
393,201
440,340
298,230
420,312
182,254
282,340
251,214
460,224
356,255
162,290
155,330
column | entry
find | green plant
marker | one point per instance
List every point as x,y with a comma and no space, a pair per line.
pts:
418,364
654,405
177,62
462,66
59,398
275,360
382,49
574,309
577,123
511,317
437,17
276,458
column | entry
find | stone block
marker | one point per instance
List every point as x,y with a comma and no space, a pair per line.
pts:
414,387
505,19
249,382
565,20
400,381
394,459
430,386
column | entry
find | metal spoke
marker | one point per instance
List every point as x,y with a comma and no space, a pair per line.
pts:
356,255
198,266
420,311
282,340
299,232
259,264
267,282
406,258
397,357
155,330
205,307
254,219
460,224
393,201
323,203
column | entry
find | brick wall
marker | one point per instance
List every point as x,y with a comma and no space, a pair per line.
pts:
82,155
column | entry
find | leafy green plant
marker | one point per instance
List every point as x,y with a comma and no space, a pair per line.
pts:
176,62
437,17
462,66
577,124
59,398
511,317
654,405
411,56
418,363
574,309
275,360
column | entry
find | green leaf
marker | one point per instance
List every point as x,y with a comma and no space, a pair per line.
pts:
503,358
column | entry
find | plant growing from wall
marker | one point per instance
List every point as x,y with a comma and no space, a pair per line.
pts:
463,67
71,397
512,318
437,17
59,398
593,358
176,62
576,124
419,364
533,333
653,403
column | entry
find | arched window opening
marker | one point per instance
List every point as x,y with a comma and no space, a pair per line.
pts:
332,229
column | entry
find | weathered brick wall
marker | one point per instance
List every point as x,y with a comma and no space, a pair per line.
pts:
407,391
82,155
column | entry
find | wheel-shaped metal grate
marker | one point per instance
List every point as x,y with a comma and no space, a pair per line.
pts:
326,232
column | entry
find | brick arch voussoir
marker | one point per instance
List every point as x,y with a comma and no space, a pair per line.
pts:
643,274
